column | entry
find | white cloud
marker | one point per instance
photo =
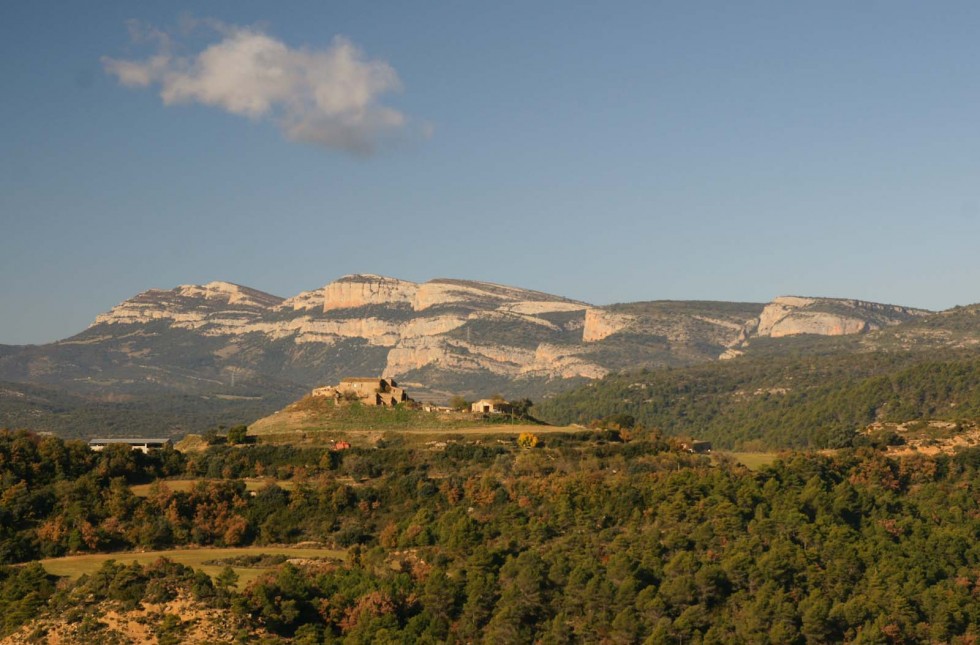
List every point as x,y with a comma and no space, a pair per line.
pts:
328,97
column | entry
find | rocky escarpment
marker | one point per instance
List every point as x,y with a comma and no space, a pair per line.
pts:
205,337
193,305
355,291
362,290
793,315
601,324
545,360
517,332
412,321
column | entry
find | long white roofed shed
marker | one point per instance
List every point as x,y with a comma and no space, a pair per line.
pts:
143,444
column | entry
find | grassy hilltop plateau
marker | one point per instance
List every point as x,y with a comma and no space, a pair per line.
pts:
836,501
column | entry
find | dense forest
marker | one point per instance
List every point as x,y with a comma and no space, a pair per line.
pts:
800,401
584,538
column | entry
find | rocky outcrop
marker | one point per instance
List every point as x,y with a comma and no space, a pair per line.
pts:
533,308
193,305
600,324
231,294
432,294
455,355
353,291
563,361
363,290
821,324
488,295
729,354
793,315
449,354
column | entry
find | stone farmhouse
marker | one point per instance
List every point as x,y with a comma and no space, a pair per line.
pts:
369,391
491,406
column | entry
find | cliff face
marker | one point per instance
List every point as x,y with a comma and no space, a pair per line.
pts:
601,324
361,291
197,337
193,305
793,315
453,326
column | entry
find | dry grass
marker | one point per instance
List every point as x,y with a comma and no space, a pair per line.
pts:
185,485
490,430
73,566
752,460
314,417
191,443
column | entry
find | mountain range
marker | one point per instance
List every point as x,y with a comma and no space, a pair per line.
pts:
231,348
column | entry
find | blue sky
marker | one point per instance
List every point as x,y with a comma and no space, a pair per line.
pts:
623,152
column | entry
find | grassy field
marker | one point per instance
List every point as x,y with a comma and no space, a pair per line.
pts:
494,429
752,460
318,414
74,566
185,485
318,420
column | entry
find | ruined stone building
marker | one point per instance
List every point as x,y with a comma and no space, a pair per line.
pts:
369,391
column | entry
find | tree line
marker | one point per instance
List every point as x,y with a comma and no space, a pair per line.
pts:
808,401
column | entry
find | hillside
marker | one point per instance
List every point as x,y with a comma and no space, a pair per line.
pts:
804,400
50,409
583,538
320,421
253,351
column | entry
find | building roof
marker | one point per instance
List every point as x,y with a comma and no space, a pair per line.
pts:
361,379
139,440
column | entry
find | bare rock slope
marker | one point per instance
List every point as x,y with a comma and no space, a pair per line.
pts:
793,315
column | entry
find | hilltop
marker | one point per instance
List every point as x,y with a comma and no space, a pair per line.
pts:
321,420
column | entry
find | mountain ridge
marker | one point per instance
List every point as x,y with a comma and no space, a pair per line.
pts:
441,337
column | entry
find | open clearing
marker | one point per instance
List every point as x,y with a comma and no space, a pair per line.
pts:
752,460
313,418
490,430
185,485
73,566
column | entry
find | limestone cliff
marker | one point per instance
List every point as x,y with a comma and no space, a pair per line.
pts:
411,321
545,361
793,315
193,305
361,290
204,336
600,324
